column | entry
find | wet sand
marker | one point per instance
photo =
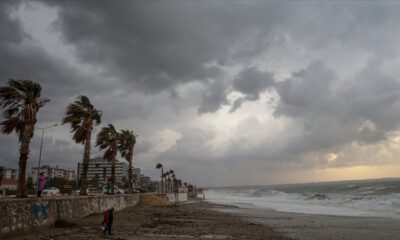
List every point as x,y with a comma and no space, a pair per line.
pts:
321,227
192,220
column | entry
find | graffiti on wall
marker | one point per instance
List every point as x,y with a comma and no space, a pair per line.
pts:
41,210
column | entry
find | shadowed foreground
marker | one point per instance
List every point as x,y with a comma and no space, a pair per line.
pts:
186,221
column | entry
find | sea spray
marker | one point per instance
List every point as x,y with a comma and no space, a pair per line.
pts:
347,198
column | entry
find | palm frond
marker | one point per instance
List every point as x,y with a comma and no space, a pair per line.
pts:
81,115
21,101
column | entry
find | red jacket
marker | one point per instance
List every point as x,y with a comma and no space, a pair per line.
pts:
107,216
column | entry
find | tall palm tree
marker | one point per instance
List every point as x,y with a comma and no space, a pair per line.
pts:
126,144
164,177
1,174
21,102
160,166
108,139
171,179
166,183
82,115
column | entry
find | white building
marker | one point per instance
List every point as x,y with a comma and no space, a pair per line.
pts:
10,173
53,172
9,180
101,168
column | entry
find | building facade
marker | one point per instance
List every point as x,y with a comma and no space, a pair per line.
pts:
101,168
8,184
52,172
10,173
9,180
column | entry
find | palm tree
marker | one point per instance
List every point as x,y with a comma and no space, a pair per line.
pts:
172,173
21,102
81,114
126,143
166,189
108,139
160,166
1,174
164,177
169,174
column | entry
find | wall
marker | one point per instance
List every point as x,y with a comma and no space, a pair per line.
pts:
28,214
178,197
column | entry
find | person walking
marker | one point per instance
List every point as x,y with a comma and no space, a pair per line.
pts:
108,220
41,184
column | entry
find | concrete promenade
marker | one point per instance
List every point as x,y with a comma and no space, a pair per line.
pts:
32,213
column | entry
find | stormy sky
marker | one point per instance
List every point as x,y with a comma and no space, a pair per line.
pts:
223,92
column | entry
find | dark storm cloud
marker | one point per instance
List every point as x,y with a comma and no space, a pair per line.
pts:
152,64
10,28
251,82
55,151
22,59
328,117
361,111
214,97
157,45
8,151
299,93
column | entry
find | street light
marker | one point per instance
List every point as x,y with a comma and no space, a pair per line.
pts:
40,154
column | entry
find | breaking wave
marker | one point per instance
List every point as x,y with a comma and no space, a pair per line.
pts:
379,198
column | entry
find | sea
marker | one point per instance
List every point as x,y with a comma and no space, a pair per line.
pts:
377,198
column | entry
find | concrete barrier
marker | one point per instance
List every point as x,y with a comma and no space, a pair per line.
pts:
29,214
177,197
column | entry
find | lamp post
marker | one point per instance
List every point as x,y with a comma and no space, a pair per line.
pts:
40,154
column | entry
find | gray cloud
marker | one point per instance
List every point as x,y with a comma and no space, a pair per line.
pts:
214,97
161,66
251,82
159,45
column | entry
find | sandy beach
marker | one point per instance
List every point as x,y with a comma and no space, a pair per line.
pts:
191,220
204,220
324,227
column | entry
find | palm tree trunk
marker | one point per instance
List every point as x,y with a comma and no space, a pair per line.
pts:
86,161
114,146
130,176
130,173
112,175
161,183
23,158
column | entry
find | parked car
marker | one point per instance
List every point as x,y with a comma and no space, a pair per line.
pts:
51,191
107,190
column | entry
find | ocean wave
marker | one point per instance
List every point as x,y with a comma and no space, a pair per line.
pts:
375,199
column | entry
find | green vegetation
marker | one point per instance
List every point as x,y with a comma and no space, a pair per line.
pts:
126,144
82,115
1,174
160,166
107,140
21,102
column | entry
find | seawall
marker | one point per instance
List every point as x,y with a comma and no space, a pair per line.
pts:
29,214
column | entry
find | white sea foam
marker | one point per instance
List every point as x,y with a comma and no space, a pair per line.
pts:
361,201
